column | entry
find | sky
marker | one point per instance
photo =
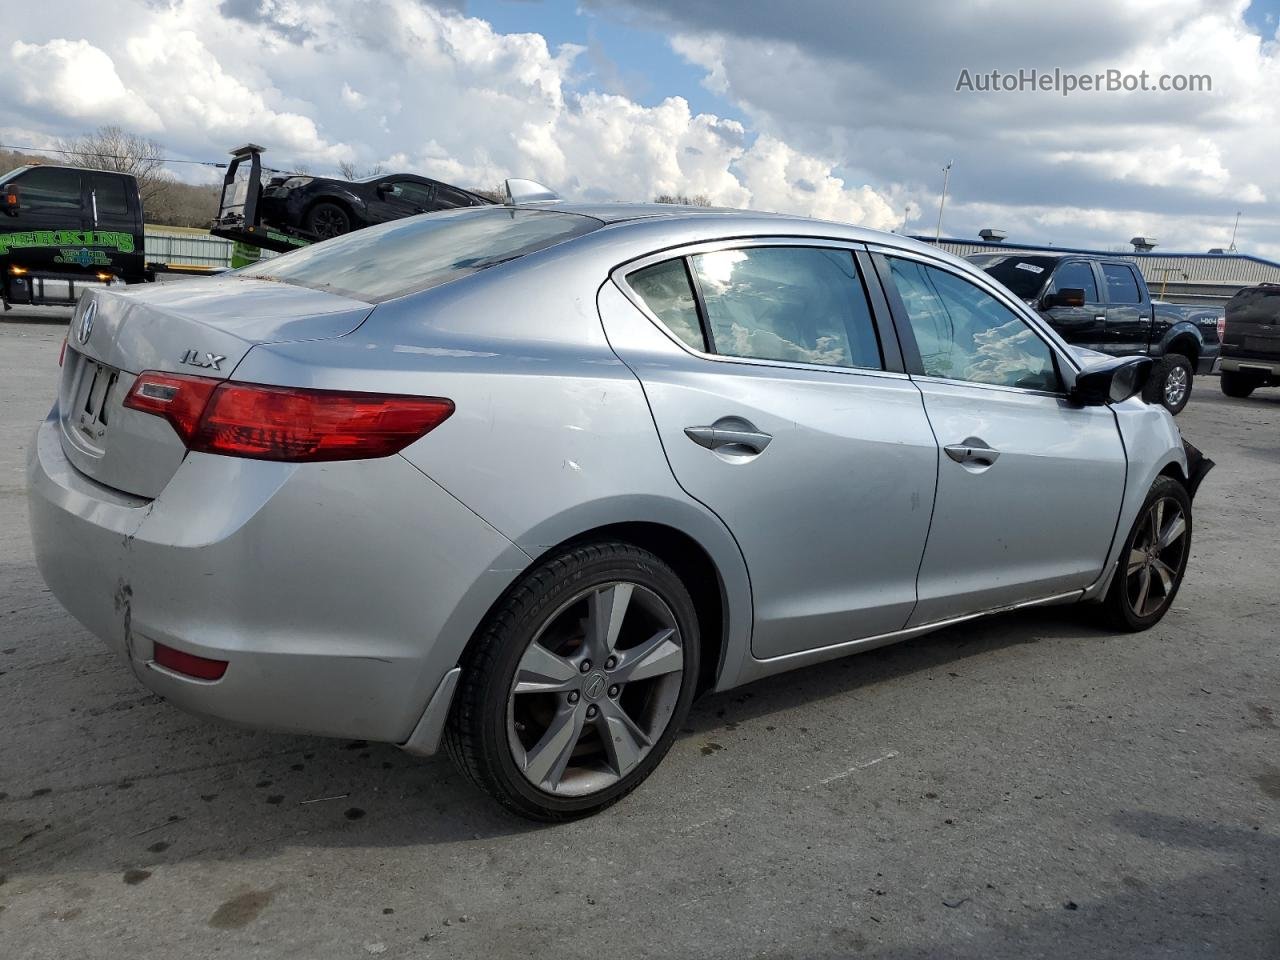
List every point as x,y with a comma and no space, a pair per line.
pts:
832,108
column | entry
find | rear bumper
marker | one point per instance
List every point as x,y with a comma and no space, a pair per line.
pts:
1268,366
340,594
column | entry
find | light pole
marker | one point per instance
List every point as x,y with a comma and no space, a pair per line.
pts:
1232,248
946,179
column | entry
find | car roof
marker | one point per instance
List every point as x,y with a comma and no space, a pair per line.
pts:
683,224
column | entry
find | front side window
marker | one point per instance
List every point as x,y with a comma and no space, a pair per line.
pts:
963,333
1122,285
1077,274
49,187
795,304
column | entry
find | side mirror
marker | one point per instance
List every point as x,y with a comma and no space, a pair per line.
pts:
386,189
1066,297
11,203
1111,381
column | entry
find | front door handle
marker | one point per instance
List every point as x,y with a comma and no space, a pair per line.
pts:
972,451
730,432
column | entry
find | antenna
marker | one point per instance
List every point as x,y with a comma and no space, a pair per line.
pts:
1232,248
946,179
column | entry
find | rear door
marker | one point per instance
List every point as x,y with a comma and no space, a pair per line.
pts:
1129,316
113,207
1085,325
1029,485
779,410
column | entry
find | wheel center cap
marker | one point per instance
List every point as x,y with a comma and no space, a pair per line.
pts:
595,686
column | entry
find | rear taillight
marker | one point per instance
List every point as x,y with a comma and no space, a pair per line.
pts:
62,354
1222,329
285,423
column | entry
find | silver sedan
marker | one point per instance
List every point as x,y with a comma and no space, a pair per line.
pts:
523,480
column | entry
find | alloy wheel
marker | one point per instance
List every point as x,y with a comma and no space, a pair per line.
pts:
1156,557
595,689
330,223
1175,386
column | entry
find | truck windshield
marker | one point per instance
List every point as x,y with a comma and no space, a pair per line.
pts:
407,256
1024,275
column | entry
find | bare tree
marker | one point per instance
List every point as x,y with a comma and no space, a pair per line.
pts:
112,148
683,199
349,170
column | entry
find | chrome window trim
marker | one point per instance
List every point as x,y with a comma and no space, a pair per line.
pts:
620,273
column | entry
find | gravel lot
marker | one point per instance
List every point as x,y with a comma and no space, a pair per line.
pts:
1022,787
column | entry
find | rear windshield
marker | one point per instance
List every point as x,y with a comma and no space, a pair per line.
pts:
406,256
1024,275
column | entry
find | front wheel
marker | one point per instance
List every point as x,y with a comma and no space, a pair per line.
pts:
1171,383
327,220
1153,560
577,684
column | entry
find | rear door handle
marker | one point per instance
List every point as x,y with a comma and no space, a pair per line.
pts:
729,432
972,451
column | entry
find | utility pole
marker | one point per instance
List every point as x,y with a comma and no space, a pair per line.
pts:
1232,248
946,179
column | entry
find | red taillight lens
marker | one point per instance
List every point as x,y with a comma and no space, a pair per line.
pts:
285,423
62,354
179,399
1222,329
188,664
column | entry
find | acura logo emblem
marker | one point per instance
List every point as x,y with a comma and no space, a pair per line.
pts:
86,322
595,686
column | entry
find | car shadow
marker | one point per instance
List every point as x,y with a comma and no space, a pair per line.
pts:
206,790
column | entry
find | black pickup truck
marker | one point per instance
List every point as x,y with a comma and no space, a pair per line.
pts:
1251,342
1103,304
64,227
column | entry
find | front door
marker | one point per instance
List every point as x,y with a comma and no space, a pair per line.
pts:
1084,325
1029,485
400,198
775,408
52,215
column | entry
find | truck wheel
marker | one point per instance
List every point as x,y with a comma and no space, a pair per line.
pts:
1170,383
328,220
1236,384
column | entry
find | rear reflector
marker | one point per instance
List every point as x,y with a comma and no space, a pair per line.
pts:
188,664
285,423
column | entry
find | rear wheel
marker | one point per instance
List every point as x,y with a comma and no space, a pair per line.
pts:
327,220
578,683
1171,383
1153,560
1237,384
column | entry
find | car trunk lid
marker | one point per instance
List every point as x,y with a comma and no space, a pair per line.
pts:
200,327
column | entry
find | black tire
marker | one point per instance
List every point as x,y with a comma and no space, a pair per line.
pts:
327,220
476,736
1171,382
1237,384
1119,608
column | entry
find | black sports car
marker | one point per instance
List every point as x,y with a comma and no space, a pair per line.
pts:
328,207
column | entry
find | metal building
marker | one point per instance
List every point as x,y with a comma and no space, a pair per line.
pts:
1199,278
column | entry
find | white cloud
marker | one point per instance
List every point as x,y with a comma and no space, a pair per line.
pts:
77,80
429,90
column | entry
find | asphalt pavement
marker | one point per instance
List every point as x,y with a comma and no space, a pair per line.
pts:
1026,786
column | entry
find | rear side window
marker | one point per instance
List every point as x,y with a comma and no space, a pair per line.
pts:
1077,274
664,288
791,304
407,256
1122,285
47,187
109,192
